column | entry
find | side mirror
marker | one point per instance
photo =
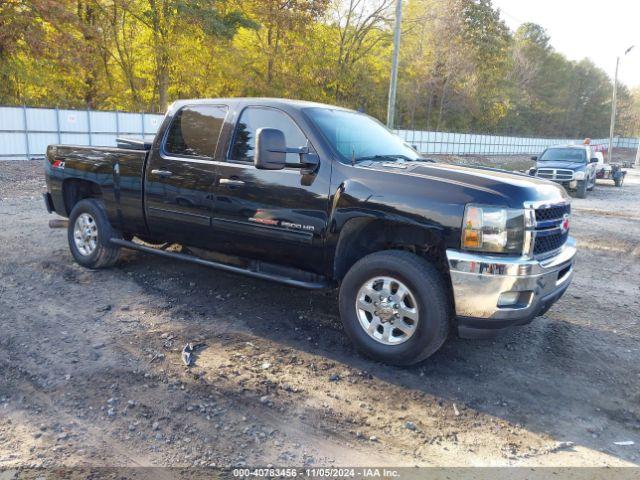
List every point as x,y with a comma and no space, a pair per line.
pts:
594,160
270,149
534,158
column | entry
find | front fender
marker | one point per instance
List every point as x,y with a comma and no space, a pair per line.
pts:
361,216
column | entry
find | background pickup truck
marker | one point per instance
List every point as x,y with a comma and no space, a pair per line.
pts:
317,196
573,166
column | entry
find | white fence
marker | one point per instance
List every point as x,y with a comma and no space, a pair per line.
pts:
26,132
472,144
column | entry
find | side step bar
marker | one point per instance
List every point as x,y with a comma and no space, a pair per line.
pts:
311,285
59,223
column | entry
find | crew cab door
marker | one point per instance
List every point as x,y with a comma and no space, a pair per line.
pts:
180,176
277,216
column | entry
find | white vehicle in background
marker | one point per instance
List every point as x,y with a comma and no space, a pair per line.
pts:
609,171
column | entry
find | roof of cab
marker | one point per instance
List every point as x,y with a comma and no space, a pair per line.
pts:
263,101
570,145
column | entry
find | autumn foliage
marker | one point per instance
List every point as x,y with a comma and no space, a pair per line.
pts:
461,69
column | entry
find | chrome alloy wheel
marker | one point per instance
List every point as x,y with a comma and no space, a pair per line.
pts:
387,310
85,234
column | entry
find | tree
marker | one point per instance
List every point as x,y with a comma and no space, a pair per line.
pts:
166,19
454,64
23,37
361,27
461,69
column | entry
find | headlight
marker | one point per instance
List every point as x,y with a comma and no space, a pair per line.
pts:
493,229
578,176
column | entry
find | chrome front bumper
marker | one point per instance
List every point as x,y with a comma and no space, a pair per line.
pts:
479,280
571,183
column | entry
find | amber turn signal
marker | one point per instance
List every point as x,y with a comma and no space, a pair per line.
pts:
471,238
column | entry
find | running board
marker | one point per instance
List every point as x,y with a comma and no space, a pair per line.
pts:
311,285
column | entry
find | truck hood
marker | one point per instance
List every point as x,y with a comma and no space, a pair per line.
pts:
493,186
565,165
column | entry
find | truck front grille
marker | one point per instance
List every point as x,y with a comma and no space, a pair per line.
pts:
559,174
548,234
549,243
552,213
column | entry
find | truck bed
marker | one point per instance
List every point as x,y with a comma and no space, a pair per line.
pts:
117,172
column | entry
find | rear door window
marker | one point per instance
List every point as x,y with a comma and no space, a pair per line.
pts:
195,131
253,118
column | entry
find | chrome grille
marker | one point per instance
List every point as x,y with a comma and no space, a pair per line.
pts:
552,213
548,234
549,243
561,174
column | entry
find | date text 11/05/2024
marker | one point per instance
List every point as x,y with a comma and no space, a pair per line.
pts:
362,472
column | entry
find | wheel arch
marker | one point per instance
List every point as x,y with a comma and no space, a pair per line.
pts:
362,236
76,189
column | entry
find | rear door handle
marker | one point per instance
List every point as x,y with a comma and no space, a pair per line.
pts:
162,173
231,182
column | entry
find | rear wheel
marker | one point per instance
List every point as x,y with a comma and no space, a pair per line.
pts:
581,190
89,234
394,307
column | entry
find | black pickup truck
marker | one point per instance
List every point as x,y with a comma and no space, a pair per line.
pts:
317,196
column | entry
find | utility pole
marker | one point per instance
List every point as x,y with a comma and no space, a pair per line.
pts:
391,106
613,111
613,105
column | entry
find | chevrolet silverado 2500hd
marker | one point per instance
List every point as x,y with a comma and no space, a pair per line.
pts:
317,196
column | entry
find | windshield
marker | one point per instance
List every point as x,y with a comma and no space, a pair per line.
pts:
575,155
360,137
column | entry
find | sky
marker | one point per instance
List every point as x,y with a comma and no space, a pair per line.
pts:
585,28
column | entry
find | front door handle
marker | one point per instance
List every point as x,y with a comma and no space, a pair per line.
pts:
162,173
231,182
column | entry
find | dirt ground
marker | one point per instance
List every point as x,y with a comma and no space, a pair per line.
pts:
90,369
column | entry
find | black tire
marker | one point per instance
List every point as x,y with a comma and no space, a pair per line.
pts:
105,254
581,190
428,287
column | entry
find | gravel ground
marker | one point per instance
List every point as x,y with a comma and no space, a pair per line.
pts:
90,369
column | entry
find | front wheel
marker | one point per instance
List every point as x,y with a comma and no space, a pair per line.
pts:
581,191
90,235
394,307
